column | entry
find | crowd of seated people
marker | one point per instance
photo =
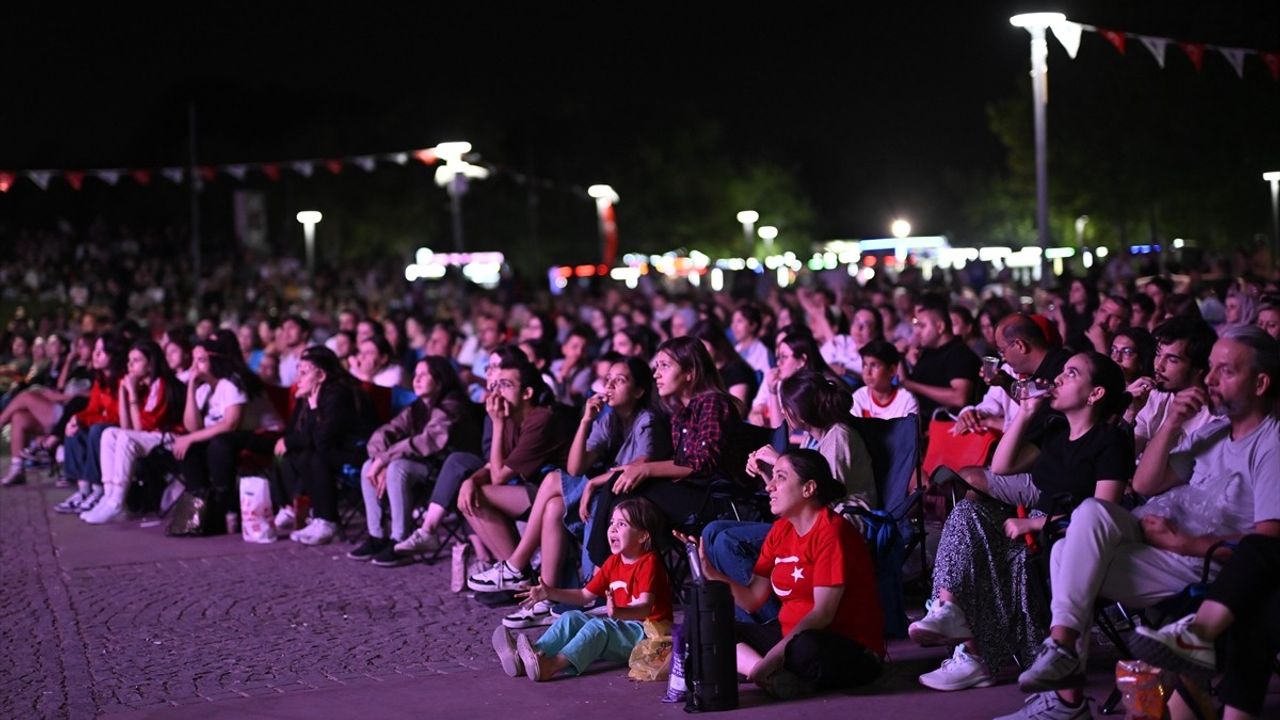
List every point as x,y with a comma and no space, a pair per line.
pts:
526,426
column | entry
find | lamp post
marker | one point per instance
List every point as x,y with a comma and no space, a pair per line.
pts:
748,218
309,220
768,234
1273,177
606,197
1036,24
453,175
900,228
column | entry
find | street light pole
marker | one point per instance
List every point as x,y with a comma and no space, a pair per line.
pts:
1036,24
606,197
309,220
1273,177
453,176
748,218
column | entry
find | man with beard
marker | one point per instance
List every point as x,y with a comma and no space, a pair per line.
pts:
1182,361
1218,483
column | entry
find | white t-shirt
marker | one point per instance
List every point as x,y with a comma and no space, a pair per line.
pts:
756,355
390,376
841,350
1231,484
902,404
1151,417
214,407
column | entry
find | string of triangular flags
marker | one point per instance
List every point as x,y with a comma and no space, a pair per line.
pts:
1068,33
209,173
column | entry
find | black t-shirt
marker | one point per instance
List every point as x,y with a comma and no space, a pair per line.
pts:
1051,366
1076,466
939,366
738,372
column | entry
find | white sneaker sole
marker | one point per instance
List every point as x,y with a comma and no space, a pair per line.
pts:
982,682
505,648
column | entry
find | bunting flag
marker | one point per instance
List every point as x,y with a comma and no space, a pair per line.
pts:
142,177
333,166
173,174
74,178
208,173
110,177
1156,46
1068,35
271,171
41,178
1195,53
236,171
366,163
6,180
303,167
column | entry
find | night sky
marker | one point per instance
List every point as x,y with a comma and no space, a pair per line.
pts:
869,104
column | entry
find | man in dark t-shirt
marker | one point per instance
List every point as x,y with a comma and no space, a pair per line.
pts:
947,371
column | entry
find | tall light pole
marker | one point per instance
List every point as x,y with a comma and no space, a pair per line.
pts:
1036,24
900,228
748,218
309,220
453,175
1273,177
768,234
606,197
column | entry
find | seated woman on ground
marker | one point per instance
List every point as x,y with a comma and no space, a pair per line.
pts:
981,599
738,377
634,584
438,422
618,427
224,407
84,430
830,631
150,401
530,433
332,418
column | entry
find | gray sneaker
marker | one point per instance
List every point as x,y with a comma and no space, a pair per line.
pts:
1055,668
1048,706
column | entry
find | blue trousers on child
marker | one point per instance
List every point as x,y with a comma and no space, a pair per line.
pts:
80,454
584,638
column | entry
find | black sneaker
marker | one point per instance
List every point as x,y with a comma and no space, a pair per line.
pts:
388,557
370,548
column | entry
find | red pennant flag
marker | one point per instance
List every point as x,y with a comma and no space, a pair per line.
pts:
427,156
142,177
272,171
6,180
208,173
1273,63
1194,51
74,178
335,166
1114,37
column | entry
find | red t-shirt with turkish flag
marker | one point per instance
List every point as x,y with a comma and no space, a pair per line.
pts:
628,581
831,554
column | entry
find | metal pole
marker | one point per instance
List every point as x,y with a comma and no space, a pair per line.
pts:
1275,225
194,186
749,234
457,186
309,232
1040,97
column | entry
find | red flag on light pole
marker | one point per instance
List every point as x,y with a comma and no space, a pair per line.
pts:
609,227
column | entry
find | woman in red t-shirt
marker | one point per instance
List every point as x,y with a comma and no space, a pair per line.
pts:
830,630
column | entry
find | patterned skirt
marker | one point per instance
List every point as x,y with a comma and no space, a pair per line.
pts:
991,578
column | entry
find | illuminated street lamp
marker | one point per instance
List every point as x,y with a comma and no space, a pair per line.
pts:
309,220
606,197
900,228
748,218
1036,24
1273,177
768,234
453,175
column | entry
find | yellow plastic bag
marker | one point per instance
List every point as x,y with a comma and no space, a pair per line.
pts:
651,657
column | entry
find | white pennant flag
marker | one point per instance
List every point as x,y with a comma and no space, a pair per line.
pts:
110,177
365,162
303,167
174,174
41,178
236,171
1068,33
1156,46
1235,56
399,158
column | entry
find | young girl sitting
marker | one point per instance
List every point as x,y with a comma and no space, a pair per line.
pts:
634,584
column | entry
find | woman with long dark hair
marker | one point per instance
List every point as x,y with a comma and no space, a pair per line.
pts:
737,376
150,401
981,596
331,420
796,351
85,428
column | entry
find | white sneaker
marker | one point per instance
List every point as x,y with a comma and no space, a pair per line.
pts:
420,541
15,476
499,578
945,624
1048,706
72,503
317,532
95,494
504,646
536,615
106,511
1176,647
958,672
285,520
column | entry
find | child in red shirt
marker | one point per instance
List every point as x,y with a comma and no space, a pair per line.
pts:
634,584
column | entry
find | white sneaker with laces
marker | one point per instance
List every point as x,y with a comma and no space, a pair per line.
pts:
72,503
109,509
498,578
959,672
420,541
943,625
95,495
1048,706
286,521
1176,647
1054,668
317,532
535,615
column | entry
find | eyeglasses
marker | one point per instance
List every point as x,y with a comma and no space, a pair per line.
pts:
1123,352
505,384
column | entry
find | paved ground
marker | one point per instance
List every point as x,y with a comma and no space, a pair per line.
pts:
122,621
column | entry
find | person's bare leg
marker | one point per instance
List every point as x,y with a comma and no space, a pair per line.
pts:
533,534
492,521
746,658
553,539
976,477
1212,619
22,425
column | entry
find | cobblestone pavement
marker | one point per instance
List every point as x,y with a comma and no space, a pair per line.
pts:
133,631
